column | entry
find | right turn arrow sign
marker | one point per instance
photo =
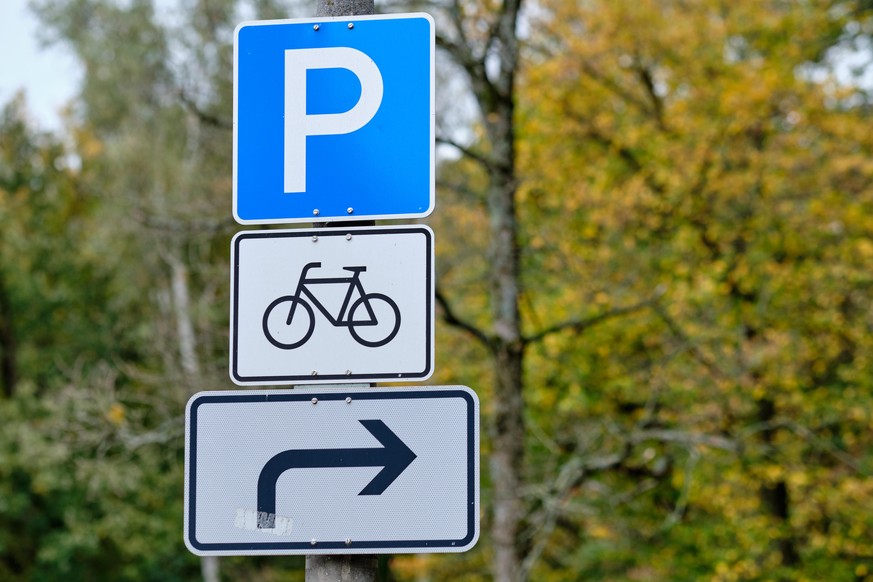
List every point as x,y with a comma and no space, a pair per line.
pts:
394,456
332,471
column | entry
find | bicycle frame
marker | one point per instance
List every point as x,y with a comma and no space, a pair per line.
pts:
354,283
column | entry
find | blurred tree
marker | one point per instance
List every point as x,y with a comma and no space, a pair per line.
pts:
483,41
705,149
52,291
678,156
658,237
158,225
70,331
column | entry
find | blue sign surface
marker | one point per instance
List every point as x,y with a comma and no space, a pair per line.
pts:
334,119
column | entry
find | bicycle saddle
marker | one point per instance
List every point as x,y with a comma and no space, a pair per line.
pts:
357,269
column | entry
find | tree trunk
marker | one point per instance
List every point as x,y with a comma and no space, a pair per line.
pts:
507,428
507,434
492,69
8,365
341,568
774,498
209,565
184,325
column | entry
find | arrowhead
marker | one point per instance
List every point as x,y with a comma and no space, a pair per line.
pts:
397,457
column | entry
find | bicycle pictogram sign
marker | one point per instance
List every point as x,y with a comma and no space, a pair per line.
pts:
319,306
373,319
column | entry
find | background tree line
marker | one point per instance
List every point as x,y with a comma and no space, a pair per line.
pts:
655,261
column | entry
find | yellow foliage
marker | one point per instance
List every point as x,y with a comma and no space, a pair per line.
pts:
116,414
685,145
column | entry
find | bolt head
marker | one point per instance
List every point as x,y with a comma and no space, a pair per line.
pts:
350,210
348,237
315,400
315,27
348,399
351,25
315,212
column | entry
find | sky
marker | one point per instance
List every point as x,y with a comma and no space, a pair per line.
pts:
49,76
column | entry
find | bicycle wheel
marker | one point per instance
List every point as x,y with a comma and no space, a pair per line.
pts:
285,325
380,322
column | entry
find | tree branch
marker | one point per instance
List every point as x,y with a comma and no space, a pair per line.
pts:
503,38
627,155
207,118
615,87
483,88
648,80
580,325
683,337
462,54
570,476
169,430
482,159
811,437
450,318
461,190
685,438
179,226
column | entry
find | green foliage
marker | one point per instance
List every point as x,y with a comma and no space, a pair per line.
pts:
90,492
56,293
695,202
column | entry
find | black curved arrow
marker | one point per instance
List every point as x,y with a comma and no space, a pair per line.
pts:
394,456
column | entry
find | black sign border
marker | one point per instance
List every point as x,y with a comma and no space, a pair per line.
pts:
340,546
332,378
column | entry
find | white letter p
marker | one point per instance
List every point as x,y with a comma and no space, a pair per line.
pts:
299,125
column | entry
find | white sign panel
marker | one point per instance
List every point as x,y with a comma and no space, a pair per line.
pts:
332,471
332,305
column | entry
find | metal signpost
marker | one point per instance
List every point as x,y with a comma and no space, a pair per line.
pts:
327,305
313,91
333,471
333,122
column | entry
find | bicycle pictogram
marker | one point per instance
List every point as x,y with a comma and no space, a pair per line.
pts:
373,319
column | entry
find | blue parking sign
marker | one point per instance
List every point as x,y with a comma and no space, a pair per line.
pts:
334,119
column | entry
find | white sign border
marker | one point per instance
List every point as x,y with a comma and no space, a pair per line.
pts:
334,546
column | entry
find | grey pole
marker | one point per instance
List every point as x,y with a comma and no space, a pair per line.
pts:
342,568
344,7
